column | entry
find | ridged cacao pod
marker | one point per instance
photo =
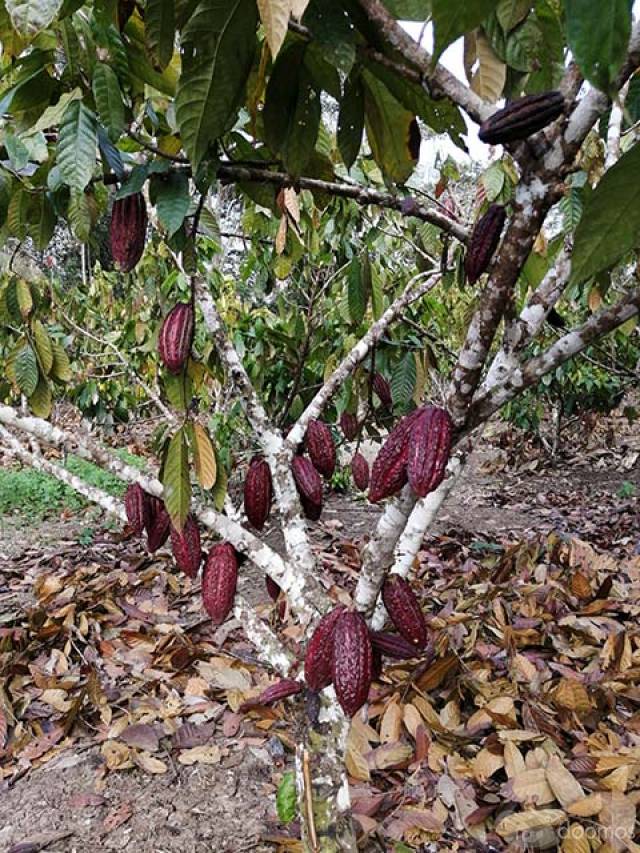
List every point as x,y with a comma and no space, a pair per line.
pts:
321,448
128,230
159,524
280,690
272,588
360,471
376,663
393,645
318,660
383,390
352,661
136,504
309,486
404,610
522,118
258,492
186,547
389,470
484,242
349,425
176,337
429,448
219,581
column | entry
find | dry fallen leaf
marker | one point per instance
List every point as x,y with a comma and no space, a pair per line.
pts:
201,755
529,820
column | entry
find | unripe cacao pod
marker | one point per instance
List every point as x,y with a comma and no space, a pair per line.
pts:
128,230
522,118
186,548
309,486
219,581
159,524
318,660
360,471
258,492
349,425
389,470
272,588
429,447
352,661
393,645
404,610
136,504
176,337
383,390
484,242
321,448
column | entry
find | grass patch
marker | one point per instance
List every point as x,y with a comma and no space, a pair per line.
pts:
36,495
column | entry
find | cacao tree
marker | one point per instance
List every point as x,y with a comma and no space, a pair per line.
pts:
299,123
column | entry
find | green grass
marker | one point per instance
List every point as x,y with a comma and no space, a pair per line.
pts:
36,495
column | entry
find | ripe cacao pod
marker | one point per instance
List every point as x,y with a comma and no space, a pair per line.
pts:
318,660
309,486
352,661
321,448
219,581
360,471
272,588
176,337
376,663
186,548
383,390
258,492
429,447
159,524
389,470
522,118
349,425
128,230
404,610
275,692
484,242
393,645
136,504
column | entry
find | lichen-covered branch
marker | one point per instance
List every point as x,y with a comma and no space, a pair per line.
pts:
267,645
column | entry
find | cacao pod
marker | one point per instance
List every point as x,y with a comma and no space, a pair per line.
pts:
360,471
522,118
176,337
352,661
404,610
274,693
376,663
484,242
393,645
429,447
309,486
272,588
159,524
219,581
383,390
389,470
349,425
185,545
318,660
136,504
321,448
128,230
258,492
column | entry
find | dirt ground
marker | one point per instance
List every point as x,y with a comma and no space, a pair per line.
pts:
71,804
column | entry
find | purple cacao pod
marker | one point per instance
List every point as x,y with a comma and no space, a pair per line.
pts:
522,118
393,645
159,524
321,448
360,471
383,390
429,448
136,504
272,588
389,470
352,661
219,581
176,337
128,230
404,610
484,242
318,661
258,492
309,486
349,425
186,547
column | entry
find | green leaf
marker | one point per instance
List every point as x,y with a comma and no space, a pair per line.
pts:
453,18
40,400
42,220
159,30
175,479
77,144
219,492
16,149
351,120
79,215
43,346
512,12
598,35
610,224
218,45
389,131
61,369
171,196
25,298
409,10
30,16
25,370
179,390
403,380
106,91
333,32
286,802
356,292
292,110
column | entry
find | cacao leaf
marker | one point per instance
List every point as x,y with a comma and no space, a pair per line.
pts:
159,30
43,221
170,193
77,145
333,33
351,120
286,802
403,380
598,36
29,17
108,98
388,126
79,215
175,479
453,18
25,370
489,79
356,293
40,400
220,488
61,369
25,299
274,15
409,10
204,458
43,346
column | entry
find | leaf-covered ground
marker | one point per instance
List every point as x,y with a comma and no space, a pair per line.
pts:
120,707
